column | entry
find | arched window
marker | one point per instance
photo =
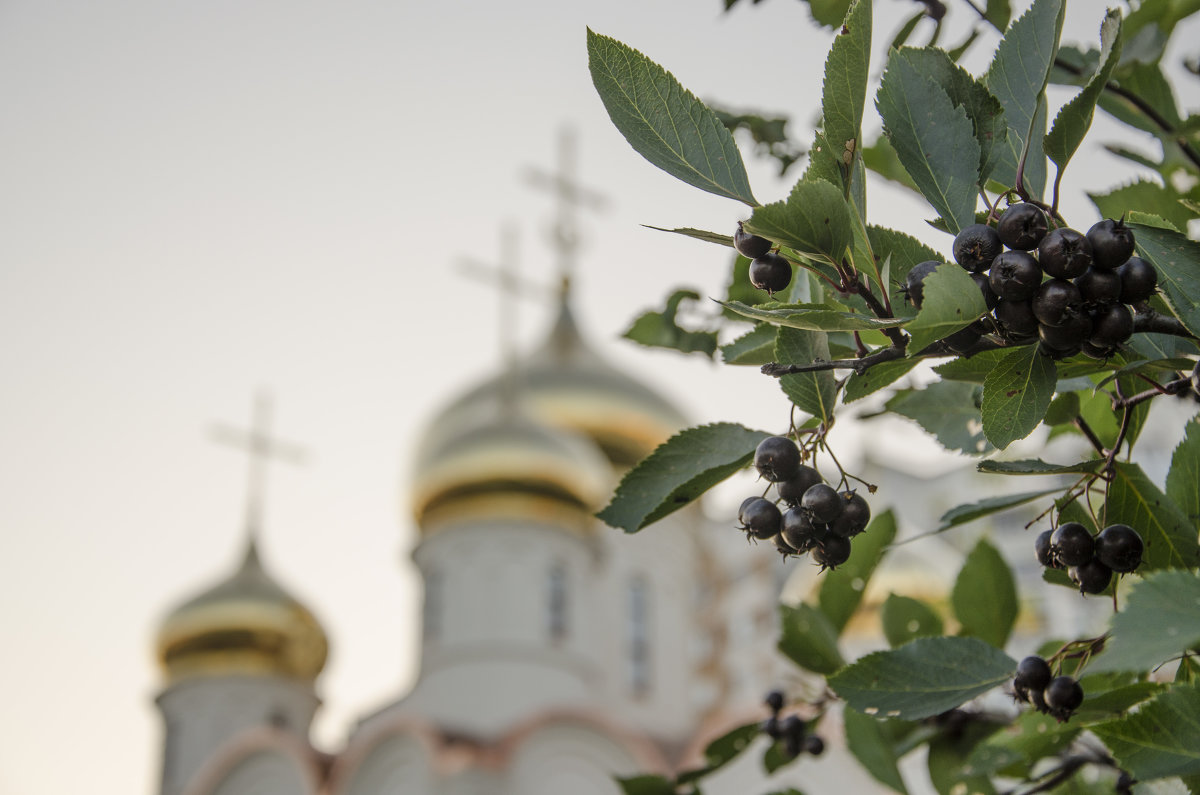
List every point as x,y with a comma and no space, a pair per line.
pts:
556,601
639,636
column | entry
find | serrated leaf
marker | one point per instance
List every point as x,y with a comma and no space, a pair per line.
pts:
844,89
904,252
829,13
1184,474
813,221
697,234
964,514
755,347
873,749
973,369
1106,704
660,330
1160,620
952,301
905,619
947,761
664,122
722,751
814,393
1016,395
808,639
1017,77
985,596
922,678
1014,749
1169,536
876,378
1177,260
881,158
813,317
999,12
842,589
934,140
1144,196
678,471
1161,739
646,785
946,409
1063,409
1033,466
1075,118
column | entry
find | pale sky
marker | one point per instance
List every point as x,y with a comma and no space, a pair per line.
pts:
201,199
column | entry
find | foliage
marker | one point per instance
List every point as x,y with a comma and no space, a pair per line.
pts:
844,331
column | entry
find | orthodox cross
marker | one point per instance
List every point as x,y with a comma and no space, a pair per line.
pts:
260,447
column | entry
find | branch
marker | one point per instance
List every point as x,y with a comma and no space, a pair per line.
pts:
1160,324
859,366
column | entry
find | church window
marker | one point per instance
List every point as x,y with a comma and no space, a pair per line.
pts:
639,636
556,601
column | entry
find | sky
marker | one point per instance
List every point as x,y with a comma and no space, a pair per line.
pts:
203,200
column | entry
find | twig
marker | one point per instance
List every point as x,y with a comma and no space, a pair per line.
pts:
859,366
1087,431
1159,323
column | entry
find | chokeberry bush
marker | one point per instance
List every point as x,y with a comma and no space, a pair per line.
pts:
1021,318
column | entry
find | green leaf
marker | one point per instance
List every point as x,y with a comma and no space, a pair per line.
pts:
845,87
814,393
1016,395
697,234
881,158
756,346
659,329
905,619
873,749
1145,196
933,139
1099,704
1033,466
813,317
964,514
1160,620
1169,536
808,639
952,301
646,785
985,596
999,12
946,409
1014,749
973,369
813,221
1177,261
664,122
1075,118
842,589
947,761
876,378
923,678
722,751
904,252
1063,409
829,13
1184,474
679,471
1161,739
1017,77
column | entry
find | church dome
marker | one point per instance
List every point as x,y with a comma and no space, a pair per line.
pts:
509,463
566,384
244,624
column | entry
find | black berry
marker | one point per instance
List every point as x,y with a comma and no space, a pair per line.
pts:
1015,275
1092,577
989,295
1063,695
1016,319
774,700
799,531
770,272
1099,287
1112,243
760,517
823,503
814,745
1111,325
748,245
1044,551
832,551
777,458
914,282
855,515
1138,280
1033,673
1066,339
1072,544
1022,226
1055,301
793,735
792,489
1064,253
976,246
1119,547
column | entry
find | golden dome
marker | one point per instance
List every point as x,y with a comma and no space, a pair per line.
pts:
510,464
245,624
566,384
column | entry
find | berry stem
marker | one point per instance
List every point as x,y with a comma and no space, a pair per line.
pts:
1150,320
859,366
1087,431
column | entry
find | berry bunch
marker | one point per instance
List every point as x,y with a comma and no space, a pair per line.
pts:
791,730
1036,684
1090,560
1069,291
768,270
818,518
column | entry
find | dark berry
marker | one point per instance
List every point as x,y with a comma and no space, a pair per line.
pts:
963,340
823,503
1015,276
792,489
774,700
799,531
1045,553
771,728
1066,340
784,547
914,282
1138,280
1056,301
1119,547
855,515
771,272
1112,243
814,745
1099,287
1064,253
976,246
832,551
760,517
1111,325
777,458
793,731
1092,350
1016,319
1033,673
1092,577
1072,544
1063,696
989,295
1022,226
748,245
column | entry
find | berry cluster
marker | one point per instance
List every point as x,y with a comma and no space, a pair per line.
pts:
1068,290
791,730
818,519
1090,560
1035,684
768,270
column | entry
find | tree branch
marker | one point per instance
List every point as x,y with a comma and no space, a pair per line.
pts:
859,366
1160,324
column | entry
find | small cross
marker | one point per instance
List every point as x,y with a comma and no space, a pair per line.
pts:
260,447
